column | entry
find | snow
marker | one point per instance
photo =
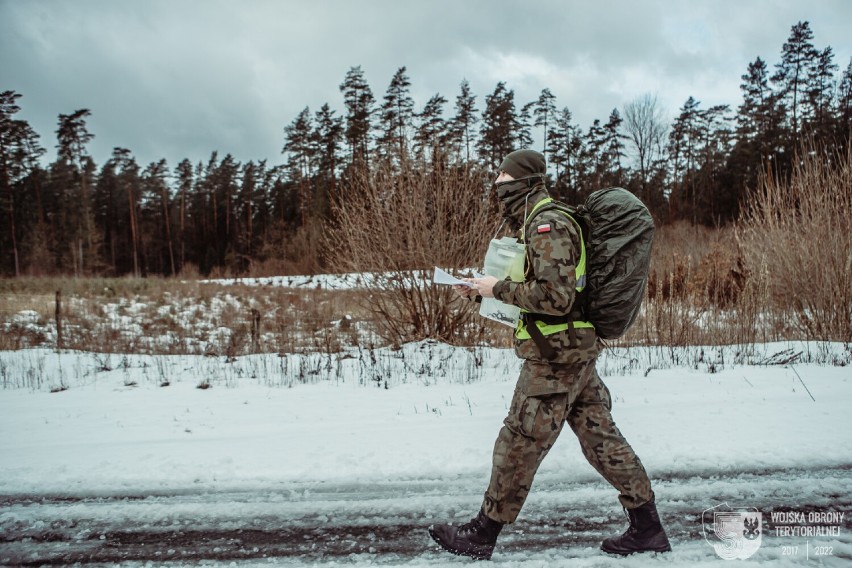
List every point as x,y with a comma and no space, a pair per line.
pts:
346,281
103,435
319,281
288,435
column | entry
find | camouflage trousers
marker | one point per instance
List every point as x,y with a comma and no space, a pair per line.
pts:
579,397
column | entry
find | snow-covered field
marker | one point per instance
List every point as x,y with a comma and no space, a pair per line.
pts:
320,281
308,460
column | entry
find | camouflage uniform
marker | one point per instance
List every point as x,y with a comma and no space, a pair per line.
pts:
566,388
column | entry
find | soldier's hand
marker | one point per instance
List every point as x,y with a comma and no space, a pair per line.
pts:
465,291
484,286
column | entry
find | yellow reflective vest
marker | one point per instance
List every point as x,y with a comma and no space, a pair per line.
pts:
521,332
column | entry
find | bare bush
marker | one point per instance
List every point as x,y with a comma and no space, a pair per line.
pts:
702,291
678,248
801,230
289,253
400,222
720,277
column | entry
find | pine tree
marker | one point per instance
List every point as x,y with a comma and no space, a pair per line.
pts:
157,245
613,151
760,129
545,108
760,116
245,248
126,202
203,215
797,57
499,122
820,93
683,139
564,148
524,126
299,145
431,128
843,128
327,137
359,101
592,164
265,221
463,123
19,153
712,201
38,234
73,136
106,213
184,178
226,186
397,113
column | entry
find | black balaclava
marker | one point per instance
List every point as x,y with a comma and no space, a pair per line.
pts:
528,169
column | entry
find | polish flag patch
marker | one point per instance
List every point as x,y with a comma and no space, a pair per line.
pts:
545,228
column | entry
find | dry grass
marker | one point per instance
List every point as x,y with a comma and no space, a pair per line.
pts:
175,317
783,273
13,303
708,294
800,231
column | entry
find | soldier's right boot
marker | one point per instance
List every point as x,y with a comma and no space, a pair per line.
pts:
475,539
645,533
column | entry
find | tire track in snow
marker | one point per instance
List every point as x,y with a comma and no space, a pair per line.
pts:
382,522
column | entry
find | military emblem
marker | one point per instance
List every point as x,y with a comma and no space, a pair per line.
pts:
734,533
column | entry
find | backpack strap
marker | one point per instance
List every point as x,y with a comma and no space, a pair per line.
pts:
578,308
538,338
577,214
544,347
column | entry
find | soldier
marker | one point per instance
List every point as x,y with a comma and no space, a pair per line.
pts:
558,382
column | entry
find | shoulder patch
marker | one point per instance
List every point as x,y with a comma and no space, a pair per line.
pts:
543,228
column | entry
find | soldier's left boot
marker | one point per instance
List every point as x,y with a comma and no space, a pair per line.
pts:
645,533
475,539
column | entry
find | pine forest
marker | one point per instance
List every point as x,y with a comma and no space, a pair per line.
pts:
222,217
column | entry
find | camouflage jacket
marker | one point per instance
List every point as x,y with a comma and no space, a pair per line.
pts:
553,249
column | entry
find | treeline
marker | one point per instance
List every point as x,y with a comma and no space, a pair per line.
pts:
76,217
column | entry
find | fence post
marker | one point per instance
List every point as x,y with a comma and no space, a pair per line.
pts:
255,330
58,315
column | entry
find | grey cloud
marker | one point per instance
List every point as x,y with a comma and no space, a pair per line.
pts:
181,79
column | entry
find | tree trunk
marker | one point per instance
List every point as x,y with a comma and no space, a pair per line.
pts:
168,227
11,210
133,232
249,228
182,227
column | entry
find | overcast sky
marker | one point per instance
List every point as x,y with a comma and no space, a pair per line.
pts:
180,78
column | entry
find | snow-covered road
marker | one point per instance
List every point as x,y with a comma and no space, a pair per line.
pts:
134,463
310,523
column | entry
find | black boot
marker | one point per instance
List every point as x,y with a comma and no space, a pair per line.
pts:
475,539
645,534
